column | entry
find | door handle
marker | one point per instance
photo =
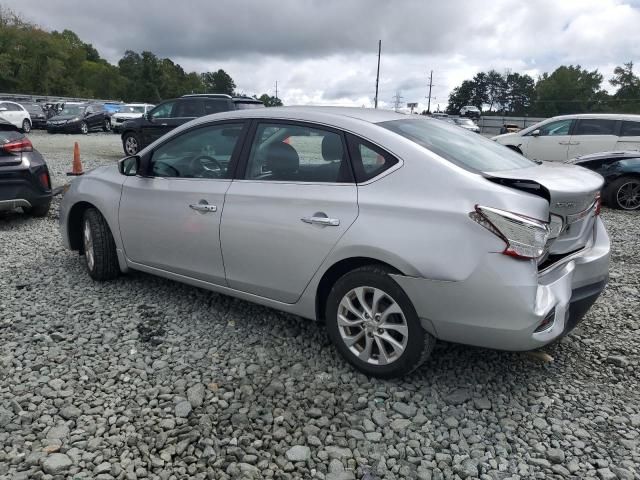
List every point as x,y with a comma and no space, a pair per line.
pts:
328,222
163,124
203,207
564,143
574,143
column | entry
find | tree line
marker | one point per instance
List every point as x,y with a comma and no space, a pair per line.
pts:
37,62
568,89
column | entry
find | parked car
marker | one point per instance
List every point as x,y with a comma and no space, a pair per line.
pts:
24,176
568,136
37,115
621,172
394,230
439,116
80,118
470,111
128,112
467,124
140,132
15,114
112,108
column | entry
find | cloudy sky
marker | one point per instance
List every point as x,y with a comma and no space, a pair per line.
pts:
324,51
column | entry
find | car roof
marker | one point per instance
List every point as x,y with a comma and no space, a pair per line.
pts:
312,113
603,116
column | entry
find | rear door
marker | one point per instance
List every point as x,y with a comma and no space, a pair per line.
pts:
294,199
11,113
551,144
629,138
593,135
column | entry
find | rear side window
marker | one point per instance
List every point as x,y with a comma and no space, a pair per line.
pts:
595,126
215,106
457,145
630,129
369,161
188,108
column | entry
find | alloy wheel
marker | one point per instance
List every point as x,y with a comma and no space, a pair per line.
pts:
88,245
84,128
372,325
131,145
26,126
628,195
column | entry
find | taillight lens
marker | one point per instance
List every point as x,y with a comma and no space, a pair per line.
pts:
525,237
17,146
44,180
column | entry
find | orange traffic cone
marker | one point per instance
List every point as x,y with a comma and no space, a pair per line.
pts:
76,169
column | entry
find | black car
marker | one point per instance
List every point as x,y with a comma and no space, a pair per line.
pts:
24,176
140,132
37,114
621,172
80,118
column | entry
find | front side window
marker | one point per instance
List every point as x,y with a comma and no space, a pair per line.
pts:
595,126
296,153
561,127
163,111
201,153
215,106
630,129
457,145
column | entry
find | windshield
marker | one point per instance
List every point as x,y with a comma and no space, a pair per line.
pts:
131,109
465,121
72,110
247,106
462,147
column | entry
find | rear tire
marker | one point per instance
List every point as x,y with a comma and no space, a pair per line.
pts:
100,254
39,210
362,330
624,193
131,144
26,125
84,128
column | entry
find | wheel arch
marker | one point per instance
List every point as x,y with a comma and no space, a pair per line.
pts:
338,269
74,224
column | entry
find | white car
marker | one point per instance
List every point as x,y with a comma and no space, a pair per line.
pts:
560,138
128,112
16,114
470,111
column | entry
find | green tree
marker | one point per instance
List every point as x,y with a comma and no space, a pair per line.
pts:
460,96
627,96
218,82
520,92
570,90
270,101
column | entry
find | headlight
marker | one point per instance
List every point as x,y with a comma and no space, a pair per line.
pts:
75,119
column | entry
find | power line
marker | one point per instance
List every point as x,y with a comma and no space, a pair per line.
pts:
430,87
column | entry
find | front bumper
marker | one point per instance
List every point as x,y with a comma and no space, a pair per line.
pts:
502,303
64,128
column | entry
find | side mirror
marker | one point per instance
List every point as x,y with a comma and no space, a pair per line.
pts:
129,166
536,132
148,117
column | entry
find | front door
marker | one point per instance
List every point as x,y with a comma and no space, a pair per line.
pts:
593,135
551,144
294,201
170,219
158,122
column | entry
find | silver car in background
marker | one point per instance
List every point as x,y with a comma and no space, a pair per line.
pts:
394,230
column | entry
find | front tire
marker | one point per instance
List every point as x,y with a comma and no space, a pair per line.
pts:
624,193
106,126
84,128
131,144
374,325
100,254
26,125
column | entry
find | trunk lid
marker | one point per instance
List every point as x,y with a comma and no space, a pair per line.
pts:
571,192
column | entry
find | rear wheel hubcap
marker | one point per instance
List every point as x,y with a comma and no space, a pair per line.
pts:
372,325
131,145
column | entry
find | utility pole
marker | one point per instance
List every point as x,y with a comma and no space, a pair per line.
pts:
375,102
430,86
276,89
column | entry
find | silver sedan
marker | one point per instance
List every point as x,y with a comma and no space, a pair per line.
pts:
394,230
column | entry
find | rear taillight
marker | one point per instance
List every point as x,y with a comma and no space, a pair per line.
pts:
17,146
44,180
598,204
525,237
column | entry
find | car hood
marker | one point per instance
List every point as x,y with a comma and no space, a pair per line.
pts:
127,115
505,136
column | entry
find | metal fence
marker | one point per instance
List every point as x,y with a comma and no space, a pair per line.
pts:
492,125
19,97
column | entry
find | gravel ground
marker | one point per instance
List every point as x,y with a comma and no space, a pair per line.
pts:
148,378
